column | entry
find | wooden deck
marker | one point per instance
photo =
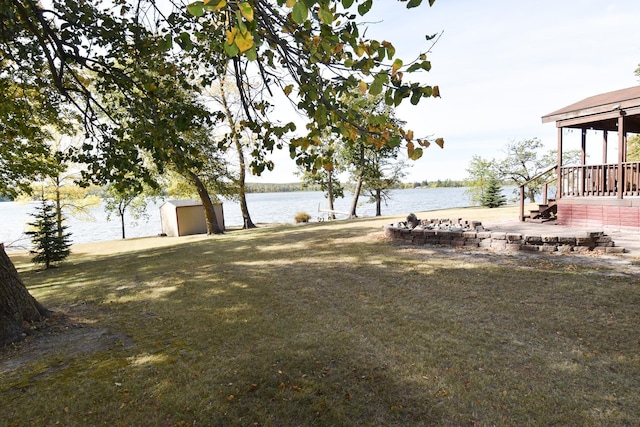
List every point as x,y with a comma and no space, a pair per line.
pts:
601,180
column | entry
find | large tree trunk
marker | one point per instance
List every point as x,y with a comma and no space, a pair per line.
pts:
209,212
17,306
356,195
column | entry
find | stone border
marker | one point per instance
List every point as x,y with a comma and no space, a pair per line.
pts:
471,234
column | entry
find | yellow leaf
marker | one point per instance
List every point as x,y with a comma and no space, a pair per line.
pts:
244,41
363,87
440,142
288,89
216,4
397,64
291,3
231,35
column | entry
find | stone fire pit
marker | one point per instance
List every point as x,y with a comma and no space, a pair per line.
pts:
471,234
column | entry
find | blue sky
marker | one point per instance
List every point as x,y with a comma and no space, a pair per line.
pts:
502,65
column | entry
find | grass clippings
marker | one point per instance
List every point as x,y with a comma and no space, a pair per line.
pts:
324,324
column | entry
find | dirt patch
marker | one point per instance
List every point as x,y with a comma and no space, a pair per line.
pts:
65,333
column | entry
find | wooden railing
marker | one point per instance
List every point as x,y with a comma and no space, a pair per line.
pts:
591,181
600,180
545,189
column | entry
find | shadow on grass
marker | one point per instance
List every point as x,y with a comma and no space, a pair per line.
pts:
323,325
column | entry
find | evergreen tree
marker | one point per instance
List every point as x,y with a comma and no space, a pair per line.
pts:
493,197
50,242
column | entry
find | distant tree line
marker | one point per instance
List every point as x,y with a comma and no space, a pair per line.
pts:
255,187
446,183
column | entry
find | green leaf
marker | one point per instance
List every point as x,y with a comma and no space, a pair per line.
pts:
416,153
378,82
415,96
414,3
427,91
184,40
196,9
388,97
424,65
347,3
252,54
363,8
299,13
325,15
246,10
165,43
231,49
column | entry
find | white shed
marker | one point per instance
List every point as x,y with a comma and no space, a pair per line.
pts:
184,217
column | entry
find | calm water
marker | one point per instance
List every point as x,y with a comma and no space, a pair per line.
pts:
263,208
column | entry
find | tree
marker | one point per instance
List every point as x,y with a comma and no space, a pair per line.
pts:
633,147
325,170
362,157
312,50
79,53
385,172
51,243
493,197
235,136
206,172
524,160
481,172
59,185
18,308
120,200
26,117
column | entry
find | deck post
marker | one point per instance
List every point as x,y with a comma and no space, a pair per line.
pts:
621,155
521,203
583,160
559,172
604,146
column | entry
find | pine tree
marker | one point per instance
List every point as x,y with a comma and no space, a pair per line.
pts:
493,197
50,242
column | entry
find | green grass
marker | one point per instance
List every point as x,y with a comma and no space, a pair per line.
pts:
326,324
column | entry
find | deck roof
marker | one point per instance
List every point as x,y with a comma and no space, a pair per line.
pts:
601,112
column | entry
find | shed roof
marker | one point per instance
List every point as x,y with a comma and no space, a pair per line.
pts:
182,203
601,111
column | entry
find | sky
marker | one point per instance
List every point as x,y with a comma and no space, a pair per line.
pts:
500,66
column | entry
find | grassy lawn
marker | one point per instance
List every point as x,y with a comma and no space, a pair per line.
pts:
324,324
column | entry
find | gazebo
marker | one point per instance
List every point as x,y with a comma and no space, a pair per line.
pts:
606,194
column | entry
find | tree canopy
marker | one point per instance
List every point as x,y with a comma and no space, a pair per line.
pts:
119,65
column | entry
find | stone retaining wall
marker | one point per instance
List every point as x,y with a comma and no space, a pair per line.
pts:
472,234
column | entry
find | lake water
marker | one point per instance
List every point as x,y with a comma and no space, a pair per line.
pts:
263,208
